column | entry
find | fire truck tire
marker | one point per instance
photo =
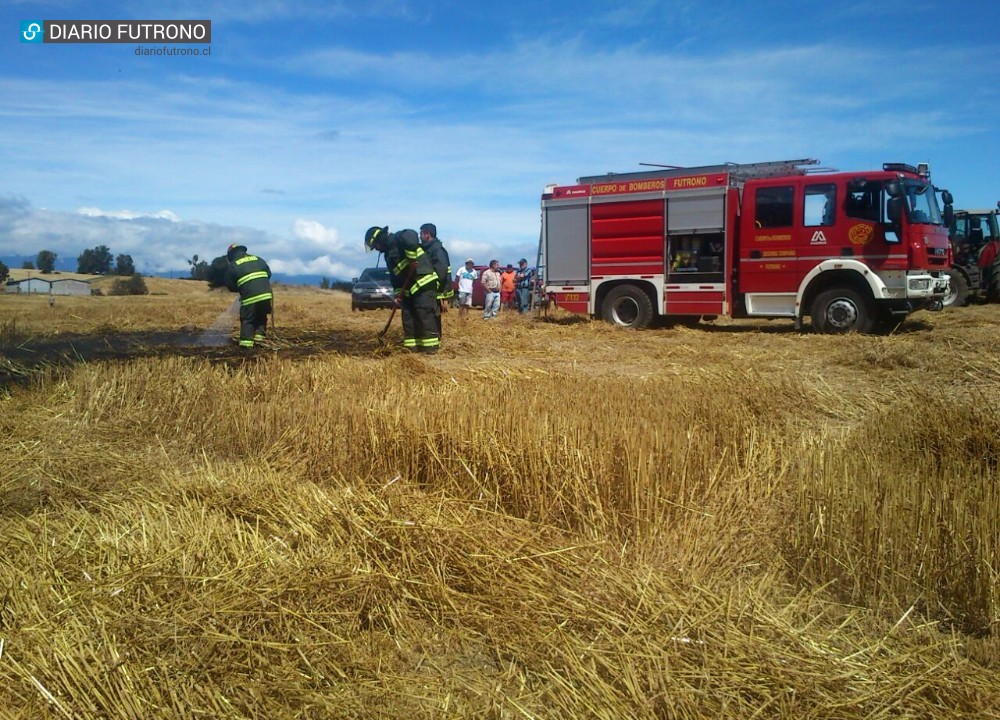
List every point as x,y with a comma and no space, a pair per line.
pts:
627,306
958,289
842,310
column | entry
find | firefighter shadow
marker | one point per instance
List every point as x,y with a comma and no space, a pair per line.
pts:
776,326
564,320
781,326
672,323
24,359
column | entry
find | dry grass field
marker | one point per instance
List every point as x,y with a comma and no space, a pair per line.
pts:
547,519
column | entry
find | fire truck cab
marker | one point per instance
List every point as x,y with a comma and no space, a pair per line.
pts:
853,251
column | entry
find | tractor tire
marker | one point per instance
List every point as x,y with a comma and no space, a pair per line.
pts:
993,289
842,310
958,289
628,306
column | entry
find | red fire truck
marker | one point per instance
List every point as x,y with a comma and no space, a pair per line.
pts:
853,251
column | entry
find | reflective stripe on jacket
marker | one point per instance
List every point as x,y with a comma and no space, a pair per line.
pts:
442,266
250,276
403,253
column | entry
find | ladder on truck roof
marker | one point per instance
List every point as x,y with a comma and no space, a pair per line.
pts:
777,168
738,171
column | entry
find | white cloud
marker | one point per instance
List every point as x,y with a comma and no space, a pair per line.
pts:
324,265
127,214
313,234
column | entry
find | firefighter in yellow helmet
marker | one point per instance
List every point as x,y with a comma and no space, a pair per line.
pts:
250,276
416,285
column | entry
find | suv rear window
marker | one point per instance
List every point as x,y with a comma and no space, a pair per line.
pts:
378,275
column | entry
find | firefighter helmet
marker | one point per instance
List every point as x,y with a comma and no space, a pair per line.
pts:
233,249
375,237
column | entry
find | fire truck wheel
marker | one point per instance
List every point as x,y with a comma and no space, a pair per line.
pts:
629,307
958,290
842,310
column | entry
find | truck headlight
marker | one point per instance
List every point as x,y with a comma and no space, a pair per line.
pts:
920,284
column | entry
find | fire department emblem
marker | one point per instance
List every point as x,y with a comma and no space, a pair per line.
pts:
860,234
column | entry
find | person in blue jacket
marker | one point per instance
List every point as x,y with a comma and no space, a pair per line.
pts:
525,279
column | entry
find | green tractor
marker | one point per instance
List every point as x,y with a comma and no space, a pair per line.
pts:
972,232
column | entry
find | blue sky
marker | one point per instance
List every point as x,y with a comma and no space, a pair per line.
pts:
311,121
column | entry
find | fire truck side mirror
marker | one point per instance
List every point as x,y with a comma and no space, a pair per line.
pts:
948,213
893,188
894,209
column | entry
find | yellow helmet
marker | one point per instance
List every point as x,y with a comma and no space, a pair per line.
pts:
375,236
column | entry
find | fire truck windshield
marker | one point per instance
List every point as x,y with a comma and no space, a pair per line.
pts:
921,203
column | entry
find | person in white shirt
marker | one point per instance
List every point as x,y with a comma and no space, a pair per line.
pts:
466,277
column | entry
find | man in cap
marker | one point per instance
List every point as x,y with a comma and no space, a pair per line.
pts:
466,278
250,276
415,283
525,281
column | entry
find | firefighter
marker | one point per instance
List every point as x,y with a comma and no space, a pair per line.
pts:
432,245
416,285
250,276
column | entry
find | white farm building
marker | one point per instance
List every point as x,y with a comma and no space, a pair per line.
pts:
41,286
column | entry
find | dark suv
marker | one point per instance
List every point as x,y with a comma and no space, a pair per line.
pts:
372,290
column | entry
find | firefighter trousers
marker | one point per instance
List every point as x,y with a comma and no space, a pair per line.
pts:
422,321
253,322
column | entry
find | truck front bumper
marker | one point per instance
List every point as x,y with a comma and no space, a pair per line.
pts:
927,285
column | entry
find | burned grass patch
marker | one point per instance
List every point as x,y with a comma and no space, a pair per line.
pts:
24,357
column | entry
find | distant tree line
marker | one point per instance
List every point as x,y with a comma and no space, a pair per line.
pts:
328,284
214,273
95,261
98,261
